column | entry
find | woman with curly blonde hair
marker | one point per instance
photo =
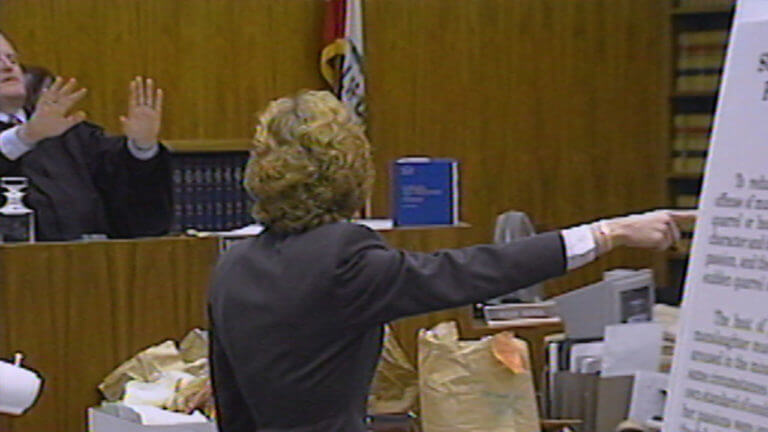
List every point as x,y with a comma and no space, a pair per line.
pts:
311,164
297,312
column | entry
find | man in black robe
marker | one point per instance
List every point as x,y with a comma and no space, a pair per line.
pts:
82,181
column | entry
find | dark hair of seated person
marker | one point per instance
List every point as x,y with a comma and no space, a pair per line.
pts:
36,79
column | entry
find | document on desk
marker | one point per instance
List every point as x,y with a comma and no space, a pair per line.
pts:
586,357
649,394
719,378
629,348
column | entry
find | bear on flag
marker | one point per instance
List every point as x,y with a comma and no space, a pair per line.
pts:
342,59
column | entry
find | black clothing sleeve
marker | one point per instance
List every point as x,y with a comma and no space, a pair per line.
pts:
7,166
136,193
376,283
85,182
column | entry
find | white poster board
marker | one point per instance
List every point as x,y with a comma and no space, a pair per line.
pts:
751,10
719,377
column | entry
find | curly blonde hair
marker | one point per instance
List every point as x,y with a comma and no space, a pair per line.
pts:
311,163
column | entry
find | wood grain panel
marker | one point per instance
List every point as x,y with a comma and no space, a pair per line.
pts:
219,61
552,106
77,310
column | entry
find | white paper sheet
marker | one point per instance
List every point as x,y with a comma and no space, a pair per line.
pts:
155,416
648,396
629,348
585,353
752,10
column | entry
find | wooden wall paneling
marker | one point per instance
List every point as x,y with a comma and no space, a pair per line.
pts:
78,310
218,61
551,107
549,104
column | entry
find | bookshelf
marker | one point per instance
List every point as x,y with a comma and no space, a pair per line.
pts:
699,37
208,194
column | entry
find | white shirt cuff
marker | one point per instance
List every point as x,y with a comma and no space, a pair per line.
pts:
142,153
10,144
580,246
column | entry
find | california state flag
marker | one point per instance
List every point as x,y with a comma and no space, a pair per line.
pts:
341,62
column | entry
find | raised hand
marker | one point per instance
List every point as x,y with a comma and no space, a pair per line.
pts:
51,116
145,110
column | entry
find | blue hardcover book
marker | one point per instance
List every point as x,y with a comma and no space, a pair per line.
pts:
178,193
208,190
247,218
229,192
425,191
188,192
237,177
218,195
198,198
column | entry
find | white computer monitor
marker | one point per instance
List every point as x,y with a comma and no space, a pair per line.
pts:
623,296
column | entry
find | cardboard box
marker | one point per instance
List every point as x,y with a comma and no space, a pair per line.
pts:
101,421
600,402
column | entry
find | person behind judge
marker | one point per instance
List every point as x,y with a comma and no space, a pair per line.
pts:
36,80
82,181
297,312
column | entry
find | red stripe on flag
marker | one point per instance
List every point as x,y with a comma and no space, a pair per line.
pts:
334,20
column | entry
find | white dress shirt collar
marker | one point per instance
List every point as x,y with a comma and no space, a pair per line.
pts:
20,114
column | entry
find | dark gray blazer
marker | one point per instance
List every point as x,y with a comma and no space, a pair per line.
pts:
297,319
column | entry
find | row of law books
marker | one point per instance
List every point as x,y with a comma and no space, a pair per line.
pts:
691,132
688,162
208,192
700,60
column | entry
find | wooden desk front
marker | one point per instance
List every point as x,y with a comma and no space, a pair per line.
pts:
77,310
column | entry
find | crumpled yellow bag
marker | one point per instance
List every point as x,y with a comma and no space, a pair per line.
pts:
471,386
395,386
160,366
146,366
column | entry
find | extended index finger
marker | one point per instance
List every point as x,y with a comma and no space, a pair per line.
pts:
683,216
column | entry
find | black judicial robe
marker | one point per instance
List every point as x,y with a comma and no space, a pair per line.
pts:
85,182
296,320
